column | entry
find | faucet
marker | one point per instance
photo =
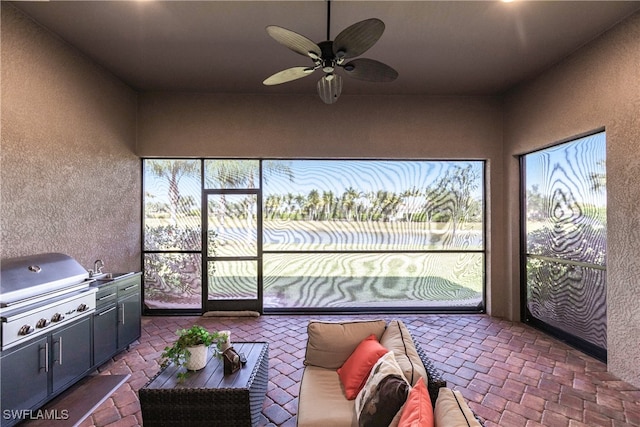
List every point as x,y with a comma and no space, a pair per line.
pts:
98,265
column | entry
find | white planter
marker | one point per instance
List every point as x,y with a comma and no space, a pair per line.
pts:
198,358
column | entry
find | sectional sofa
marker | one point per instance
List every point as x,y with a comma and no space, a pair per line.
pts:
372,373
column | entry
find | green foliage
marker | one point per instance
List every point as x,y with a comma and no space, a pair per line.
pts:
441,217
549,240
164,237
196,335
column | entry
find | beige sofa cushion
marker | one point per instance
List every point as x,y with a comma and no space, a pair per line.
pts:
330,344
321,401
452,410
397,338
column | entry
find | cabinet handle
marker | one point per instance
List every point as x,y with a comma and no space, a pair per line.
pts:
106,296
130,287
60,352
122,311
106,311
46,356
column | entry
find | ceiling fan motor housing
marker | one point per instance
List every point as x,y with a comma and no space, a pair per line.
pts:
328,57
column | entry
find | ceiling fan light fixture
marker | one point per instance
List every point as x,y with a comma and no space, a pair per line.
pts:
330,88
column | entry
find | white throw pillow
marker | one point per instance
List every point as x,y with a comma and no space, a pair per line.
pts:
380,401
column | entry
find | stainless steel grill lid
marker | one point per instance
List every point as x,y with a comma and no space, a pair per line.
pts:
30,276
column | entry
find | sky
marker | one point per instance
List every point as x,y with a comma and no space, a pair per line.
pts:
363,175
568,166
334,175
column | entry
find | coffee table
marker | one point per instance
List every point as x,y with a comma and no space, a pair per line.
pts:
208,397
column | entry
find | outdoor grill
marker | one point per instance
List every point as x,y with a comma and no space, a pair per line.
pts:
40,293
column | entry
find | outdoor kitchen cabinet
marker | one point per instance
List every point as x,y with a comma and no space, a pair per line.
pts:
24,377
105,324
70,354
35,372
129,311
116,322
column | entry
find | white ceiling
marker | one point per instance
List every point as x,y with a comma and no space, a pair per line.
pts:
437,47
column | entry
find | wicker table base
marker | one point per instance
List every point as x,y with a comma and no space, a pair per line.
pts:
208,397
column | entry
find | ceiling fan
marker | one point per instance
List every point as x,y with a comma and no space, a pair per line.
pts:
331,54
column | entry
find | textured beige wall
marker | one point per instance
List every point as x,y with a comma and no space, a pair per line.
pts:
597,86
221,125
383,127
70,179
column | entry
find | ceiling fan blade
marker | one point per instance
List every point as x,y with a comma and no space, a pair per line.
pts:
358,38
370,70
288,75
294,41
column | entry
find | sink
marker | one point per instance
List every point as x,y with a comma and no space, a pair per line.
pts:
111,276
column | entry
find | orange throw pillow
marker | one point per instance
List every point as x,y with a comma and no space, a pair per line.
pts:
418,411
355,370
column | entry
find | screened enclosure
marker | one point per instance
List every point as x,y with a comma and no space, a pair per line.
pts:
325,235
565,244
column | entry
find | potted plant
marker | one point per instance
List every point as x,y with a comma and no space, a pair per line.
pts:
191,348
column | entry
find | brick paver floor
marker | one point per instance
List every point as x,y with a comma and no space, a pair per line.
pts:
511,374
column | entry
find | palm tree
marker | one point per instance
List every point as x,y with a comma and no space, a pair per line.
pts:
173,171
328,200
598,180
386,202
348,201
299,201
313,204
271,205
290,204
459,183
233,173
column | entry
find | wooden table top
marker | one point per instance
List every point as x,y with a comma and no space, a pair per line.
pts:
212,376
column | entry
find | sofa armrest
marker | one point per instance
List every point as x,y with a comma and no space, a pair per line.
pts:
435,377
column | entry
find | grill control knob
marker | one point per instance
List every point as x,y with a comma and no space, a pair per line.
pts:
42,323
82,307
25,330
57,317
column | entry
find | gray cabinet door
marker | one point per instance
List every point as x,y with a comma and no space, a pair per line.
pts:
105,334
24,379
128,319
70,353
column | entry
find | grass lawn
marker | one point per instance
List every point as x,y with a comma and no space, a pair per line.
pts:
350,279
